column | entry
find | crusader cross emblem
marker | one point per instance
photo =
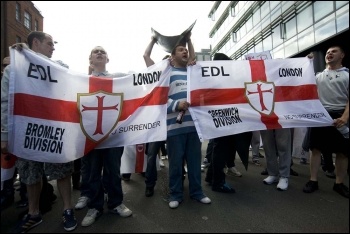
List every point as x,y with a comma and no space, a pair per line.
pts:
260,96
99,113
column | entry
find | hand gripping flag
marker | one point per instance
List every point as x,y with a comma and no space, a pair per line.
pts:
230,97
57,115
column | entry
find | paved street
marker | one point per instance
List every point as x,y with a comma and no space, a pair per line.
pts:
255,207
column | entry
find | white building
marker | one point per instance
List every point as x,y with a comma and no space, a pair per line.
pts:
286,28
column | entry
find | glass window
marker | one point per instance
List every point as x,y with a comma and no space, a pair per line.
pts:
339,4
303,19
18,11
264,9
27,20
243,31
275,13
290,47
256,17
267,43
265,22
342,18
273,4
286,5
18,39
291,28
259,47
249,24
322,9
35,25
278,52
325,28
306,39
276,36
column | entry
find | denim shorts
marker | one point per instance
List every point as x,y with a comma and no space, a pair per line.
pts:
31,172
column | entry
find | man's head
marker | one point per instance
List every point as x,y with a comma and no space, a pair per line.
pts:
221,56
5,62
334,55
41,42
98,57
179,55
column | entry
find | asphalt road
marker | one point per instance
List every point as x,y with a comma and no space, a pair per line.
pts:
255,207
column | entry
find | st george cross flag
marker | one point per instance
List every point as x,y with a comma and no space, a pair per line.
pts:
57,115
134,159
230,97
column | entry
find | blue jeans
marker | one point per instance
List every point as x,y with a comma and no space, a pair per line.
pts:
108,159
151,170
185,147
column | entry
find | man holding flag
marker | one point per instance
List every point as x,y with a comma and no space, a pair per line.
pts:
29,171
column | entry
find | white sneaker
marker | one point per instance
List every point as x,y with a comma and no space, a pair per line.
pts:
282,184
205,200
233,171
271,180
90,217
82,202
122,210
161,163
174,204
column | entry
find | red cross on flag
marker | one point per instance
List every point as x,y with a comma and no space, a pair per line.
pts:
230,97
57,115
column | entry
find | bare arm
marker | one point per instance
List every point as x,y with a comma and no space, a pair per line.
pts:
147,55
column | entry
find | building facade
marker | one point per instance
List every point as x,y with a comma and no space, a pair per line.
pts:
285,28
18,19
203,55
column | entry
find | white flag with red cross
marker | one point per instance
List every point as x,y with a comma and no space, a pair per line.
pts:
57,115
230,97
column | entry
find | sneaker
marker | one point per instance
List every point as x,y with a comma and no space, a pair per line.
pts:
225,188
161,163
164,157
122,210
271,180
90,217
341,189
233,171
69,221
205,200
205,163
303,161
174,204
82,202
282,184
256,161
310,186
330,174
28,222
261,156
149,191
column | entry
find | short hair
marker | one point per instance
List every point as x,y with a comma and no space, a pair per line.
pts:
36,34
181,43
340,48
221,56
